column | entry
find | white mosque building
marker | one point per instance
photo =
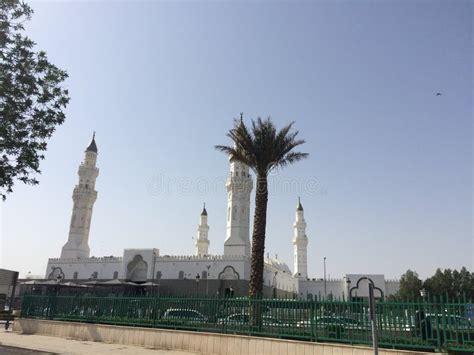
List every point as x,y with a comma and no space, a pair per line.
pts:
222,274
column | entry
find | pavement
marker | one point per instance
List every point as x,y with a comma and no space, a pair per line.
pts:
14,343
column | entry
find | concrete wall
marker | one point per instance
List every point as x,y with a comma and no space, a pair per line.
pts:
315,288
104,266
205,343
169,267
339,288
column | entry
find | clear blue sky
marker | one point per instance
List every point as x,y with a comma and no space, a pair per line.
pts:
161,81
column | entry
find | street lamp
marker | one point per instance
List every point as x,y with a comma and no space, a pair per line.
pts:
153,275
275,284
423,294
197,283
325,289
348,282
207,280
58,281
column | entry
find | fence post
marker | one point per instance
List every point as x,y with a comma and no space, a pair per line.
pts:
373,318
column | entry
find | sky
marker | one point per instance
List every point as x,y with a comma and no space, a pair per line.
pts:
388,183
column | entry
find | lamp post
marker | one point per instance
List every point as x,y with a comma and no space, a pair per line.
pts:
207,280
58,281
423,297
373,318
348,282
197,283
275,284
153,275
325,289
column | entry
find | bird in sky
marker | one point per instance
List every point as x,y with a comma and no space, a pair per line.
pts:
438,94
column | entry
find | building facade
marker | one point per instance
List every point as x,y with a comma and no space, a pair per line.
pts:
203,273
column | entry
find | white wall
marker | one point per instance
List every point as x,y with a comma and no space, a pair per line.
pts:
85,267
282,280
336,288
340,287
169,266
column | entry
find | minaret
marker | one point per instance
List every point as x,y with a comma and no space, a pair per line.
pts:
202,242
84,196
239,185
300,243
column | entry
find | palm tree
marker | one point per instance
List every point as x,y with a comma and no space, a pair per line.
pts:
262,148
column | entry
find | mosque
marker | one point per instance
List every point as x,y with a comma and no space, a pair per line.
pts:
227,274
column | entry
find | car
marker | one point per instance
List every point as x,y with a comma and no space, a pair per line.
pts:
452,329
320,322
240,319
234,319
183,315
354,324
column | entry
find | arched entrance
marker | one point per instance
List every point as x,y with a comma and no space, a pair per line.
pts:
137,269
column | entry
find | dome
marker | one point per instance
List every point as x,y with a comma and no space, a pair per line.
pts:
277,264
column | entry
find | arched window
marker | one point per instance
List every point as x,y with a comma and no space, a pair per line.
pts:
158,275
95,275
181,275
204,275
115,275
75,275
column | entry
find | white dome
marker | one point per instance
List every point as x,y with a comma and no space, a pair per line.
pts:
277,264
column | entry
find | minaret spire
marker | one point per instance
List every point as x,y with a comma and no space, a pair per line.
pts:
300,207
202,241
92,146
84,197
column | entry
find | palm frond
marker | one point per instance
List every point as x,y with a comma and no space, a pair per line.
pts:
262,147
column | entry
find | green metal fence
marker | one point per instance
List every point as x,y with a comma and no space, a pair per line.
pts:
426,325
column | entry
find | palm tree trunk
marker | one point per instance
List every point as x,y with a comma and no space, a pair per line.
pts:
258,237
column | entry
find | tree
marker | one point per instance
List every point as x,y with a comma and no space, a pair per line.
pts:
410,285
449,283
32,100
262,149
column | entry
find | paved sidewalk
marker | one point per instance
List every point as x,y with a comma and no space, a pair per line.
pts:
10,342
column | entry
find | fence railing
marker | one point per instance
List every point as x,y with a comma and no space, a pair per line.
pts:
420,325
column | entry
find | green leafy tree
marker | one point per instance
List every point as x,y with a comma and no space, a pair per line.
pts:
32,99
452,284
262,148
410,285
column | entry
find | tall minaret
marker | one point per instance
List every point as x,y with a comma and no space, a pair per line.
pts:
239,185
300,243
202,241
84,196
